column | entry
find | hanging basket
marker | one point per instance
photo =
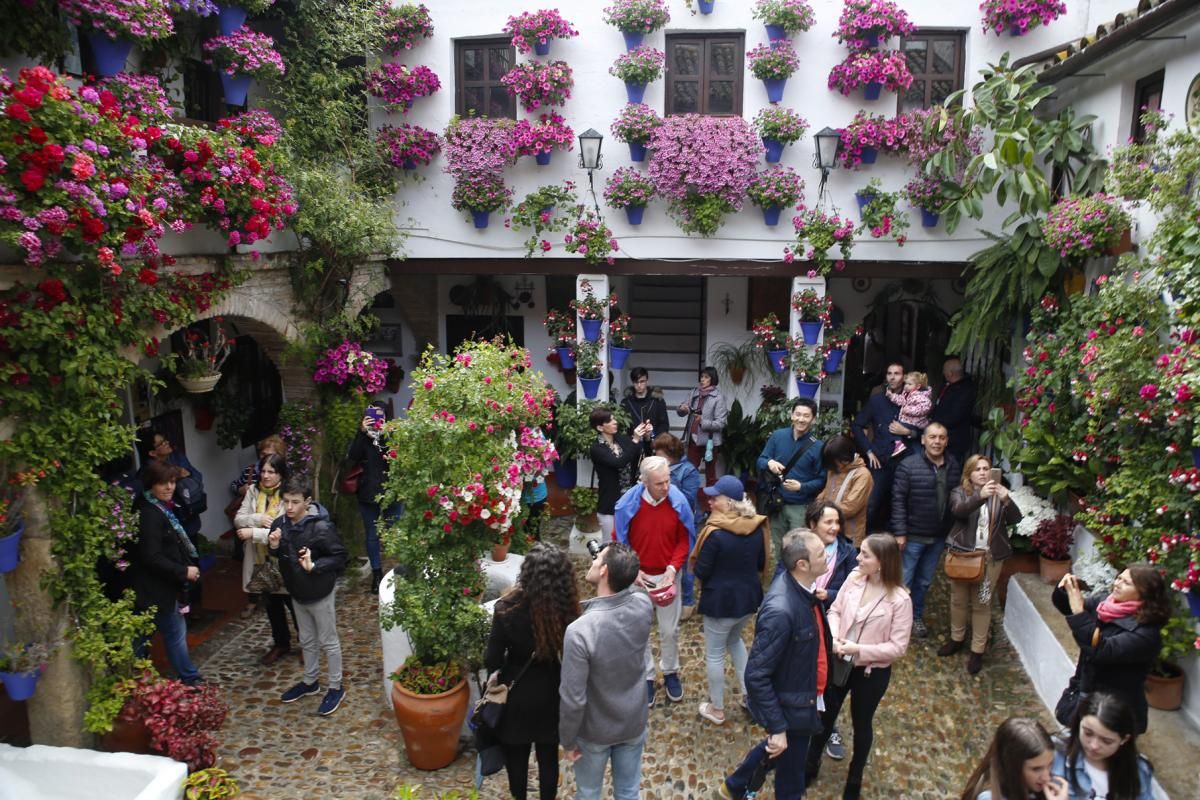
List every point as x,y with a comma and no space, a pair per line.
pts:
10,548
20,685
807,388
201,385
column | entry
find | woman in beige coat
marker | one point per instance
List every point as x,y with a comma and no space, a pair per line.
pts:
848,485
262,504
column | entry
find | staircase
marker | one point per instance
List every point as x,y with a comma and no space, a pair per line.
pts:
668,329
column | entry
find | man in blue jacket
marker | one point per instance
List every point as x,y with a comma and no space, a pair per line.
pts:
787,671
880,415
804,480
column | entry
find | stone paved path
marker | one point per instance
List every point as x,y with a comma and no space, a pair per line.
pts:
933,725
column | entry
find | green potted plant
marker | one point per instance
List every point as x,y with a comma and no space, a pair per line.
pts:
814,311
591,310
537,213
742,442
1052,540
735,361
784,18
589,366
773,64
585,500
880,212
637,68
770,340
778,128
806,365
180,718
773,190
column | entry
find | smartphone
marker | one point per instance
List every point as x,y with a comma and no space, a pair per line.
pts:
994,475
375,413
650,584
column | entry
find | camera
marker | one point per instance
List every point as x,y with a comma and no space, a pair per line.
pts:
594,547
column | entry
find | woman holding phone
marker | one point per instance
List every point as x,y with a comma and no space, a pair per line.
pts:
982,510
367,451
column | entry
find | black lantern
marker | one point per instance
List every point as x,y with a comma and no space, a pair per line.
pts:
589,149
825,157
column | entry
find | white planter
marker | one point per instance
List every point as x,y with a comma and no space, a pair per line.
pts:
41,772
200,385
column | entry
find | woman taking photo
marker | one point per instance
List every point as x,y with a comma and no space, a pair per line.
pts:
729,558
704,428
613,455
870,622
366,451
525,645
261,505
982,511
1101,759
848,486
1017,765
1119,637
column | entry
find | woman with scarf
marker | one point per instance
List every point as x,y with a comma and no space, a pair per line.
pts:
367,451
848,486
164,566
1119,638
704,428
261,506
613,456
730,555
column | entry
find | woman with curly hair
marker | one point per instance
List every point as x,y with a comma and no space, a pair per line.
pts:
525,645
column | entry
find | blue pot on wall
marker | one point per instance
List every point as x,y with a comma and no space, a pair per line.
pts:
928,219
236,88
591,387
872,39
1193,598
833,361
10,548
480,218
633,39
541,49
706,6
108,54
776,33
20,685
864,200
635,91
591,329
869,154
771,215
566,473
617,356
871,90
811,331
777,358
566,357
807,388
637,151
634,214
775,89
230,18
774,150
543,159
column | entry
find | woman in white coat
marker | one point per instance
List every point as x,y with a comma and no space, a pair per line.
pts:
262,504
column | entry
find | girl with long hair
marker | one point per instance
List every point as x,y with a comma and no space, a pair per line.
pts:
871,623
1017,765
1101,759
525,645
261,505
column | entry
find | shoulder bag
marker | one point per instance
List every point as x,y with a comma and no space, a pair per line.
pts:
840,668
489,709
348,484
770,485
969,565
266,578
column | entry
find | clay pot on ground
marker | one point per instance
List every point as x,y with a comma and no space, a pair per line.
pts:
499,552
1052,570
1165,692
1015,564
126,737
430,724
1124,245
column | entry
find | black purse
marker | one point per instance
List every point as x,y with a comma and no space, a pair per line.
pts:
770,485
489,709
841,668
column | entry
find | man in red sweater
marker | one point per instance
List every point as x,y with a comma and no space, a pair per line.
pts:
655,519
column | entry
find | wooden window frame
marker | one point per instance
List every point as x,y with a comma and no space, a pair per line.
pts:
1142,89
461,84
738,39
929,35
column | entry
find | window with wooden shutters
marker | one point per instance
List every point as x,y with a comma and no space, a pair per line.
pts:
704,74
935,59
1147,96
479,64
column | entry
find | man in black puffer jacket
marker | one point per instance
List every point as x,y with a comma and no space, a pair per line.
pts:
921,514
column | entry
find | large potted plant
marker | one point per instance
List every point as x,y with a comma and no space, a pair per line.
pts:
180,718
778,128
634,125
773,64
773,190
456,463
1052,540
784,18
638,68
635,18
535,30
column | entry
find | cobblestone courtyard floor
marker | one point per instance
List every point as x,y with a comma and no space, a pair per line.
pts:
933,724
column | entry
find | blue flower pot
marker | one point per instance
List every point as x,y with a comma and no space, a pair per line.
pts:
236,88
637,151
634,214
10,548
108,54
776,33
871,90
480,218
547,210
635,91
872,39
864,200
811,331
928,219
633,39
807,388
543,159
566,473
775,89
771,215
408,164
706,6
591,329
869,154
230,18
777,358
1196,457
774,150
833,361
1193,598
1014,31
591,387
542,49
565,357
617,356
207,562
20,685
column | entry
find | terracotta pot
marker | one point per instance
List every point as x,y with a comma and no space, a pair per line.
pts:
1052,570
499,552
126,737
1125,244
588,523
430,724
1165,692
737,374
1016,564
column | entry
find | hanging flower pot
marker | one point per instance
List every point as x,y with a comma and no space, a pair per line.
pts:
431,723
775,89
109,55
777,358
807,388
864,200
1193,598
833,361
543,158
200,385
774,150
811,331
20,685
928,219
591,329
633,39
591,387
635,91
871,39
236,88
617,356
566,358
637,151
869,154
480,218
706,6
771,215
10,548
776,33
634,214
1196,457
542,48
230,18
566,473
871,90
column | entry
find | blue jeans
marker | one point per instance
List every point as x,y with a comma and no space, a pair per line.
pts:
174,635
370,517
688,581
920,561
721,636
788,766
626,769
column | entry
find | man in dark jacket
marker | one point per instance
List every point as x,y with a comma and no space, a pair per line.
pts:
645,403
788,670
880,415
955,406
921,514
806,476
311,557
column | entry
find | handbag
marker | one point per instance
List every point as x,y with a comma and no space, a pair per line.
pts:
770,485
349,482
841,668
266,578
489,709
1068,703
969,565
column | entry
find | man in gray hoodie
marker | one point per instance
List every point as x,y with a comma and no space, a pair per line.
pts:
602,701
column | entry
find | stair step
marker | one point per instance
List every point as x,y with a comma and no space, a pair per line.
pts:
682,294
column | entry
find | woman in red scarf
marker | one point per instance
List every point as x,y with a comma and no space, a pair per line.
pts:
1119,637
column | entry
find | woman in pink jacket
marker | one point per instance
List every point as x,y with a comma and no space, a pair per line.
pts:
870,622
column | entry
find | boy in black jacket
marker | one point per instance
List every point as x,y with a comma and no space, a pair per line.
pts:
311,557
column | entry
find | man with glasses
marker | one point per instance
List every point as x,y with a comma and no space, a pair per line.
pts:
645,403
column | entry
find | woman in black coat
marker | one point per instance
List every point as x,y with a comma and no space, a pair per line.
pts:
525,645
164,565
1119,637
366,451
613,456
